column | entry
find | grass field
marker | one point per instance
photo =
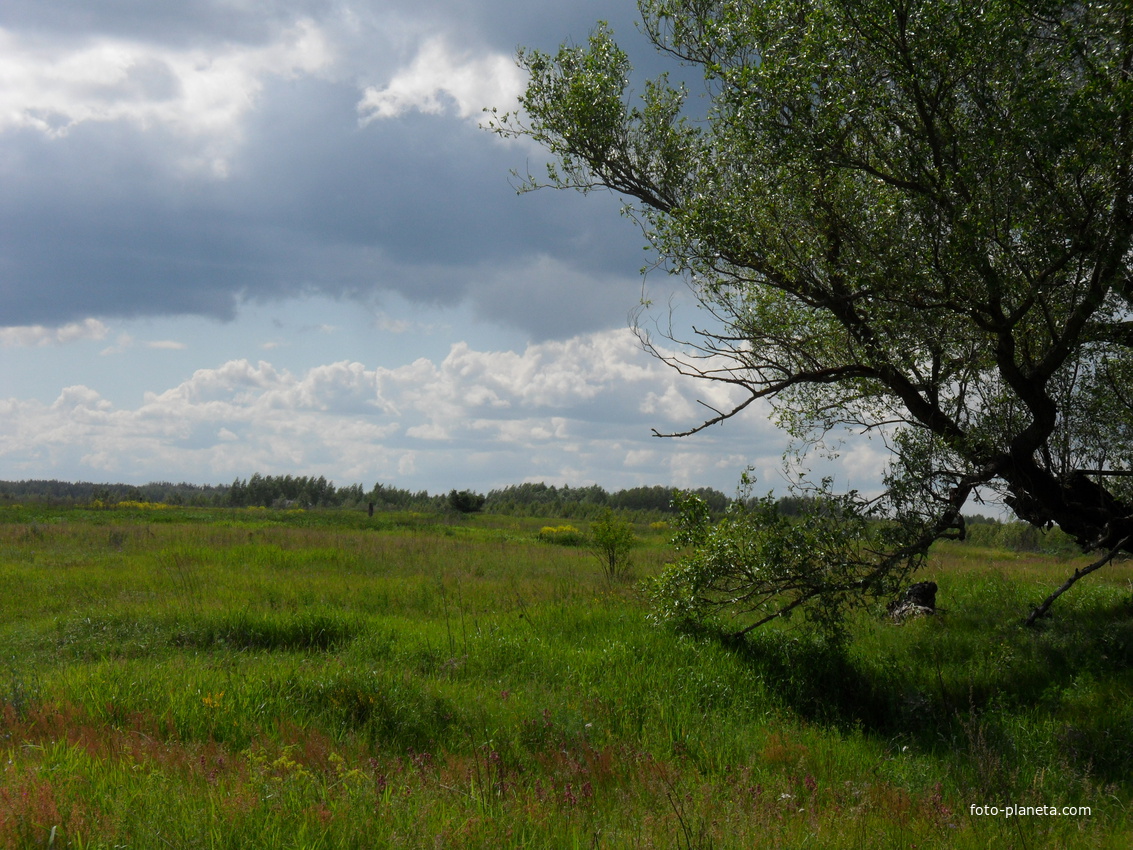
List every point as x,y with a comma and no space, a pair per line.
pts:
240,678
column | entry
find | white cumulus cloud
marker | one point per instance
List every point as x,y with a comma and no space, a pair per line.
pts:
441,78
570,411
26,336
194,92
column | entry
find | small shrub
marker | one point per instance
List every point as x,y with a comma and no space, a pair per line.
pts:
611,540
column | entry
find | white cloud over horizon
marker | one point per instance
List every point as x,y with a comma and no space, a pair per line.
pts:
565,411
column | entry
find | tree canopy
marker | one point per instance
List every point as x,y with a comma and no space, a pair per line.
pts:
905,217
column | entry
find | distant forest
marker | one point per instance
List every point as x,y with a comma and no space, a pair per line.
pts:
534,500
289,491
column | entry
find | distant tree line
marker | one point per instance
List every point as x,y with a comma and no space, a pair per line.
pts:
302,491
589,502
288,491
85,492
583,502
516,500
291,491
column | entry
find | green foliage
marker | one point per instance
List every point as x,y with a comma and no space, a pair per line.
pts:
591,501
1020,537
611,540
911,219
292,491
758,564
67,492
466,501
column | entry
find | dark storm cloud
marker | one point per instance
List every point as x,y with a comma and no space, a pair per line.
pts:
108,220
82,233
506,22
425,188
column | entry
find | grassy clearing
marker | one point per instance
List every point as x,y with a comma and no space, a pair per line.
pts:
287,679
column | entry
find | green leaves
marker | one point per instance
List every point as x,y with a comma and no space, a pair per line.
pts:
756,564
913,219
576,98
611,539
577,105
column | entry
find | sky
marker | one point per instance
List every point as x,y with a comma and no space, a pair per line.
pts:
241,236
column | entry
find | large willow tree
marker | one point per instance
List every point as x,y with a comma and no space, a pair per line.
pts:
910,217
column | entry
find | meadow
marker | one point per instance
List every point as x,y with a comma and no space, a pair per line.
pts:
192,677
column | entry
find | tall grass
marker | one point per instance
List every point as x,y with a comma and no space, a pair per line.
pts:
259,679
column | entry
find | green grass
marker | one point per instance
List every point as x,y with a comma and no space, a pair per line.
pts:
220,678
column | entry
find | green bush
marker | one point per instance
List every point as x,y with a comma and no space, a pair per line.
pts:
611,539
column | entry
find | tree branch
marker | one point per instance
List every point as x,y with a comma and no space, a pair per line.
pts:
1041,610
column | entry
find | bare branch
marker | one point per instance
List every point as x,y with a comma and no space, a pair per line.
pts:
1044,608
